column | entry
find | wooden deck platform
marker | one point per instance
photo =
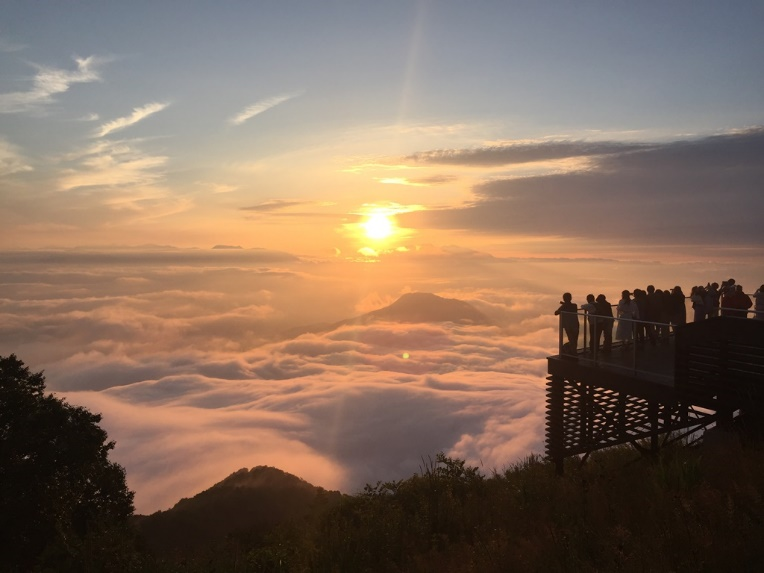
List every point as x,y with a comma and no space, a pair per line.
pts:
702,374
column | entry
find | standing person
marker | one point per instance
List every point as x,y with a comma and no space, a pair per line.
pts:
758,298
677,307
640,297
738,303
714,295
627,312
698,299
708,301
604,322
727,292
569,322
591,317
653,314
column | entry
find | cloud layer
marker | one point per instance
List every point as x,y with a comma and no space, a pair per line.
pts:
194,360
688,192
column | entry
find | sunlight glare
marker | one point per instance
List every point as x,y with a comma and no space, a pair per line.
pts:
378,226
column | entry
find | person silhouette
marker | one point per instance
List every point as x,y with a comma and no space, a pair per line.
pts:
737,303
714,295
640,297
590,317
569,322
604,323
677,306
652,313
698,296
727,292
627,313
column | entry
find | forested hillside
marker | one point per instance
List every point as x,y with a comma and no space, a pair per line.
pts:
690,509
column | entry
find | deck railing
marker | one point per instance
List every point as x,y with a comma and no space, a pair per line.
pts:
631,340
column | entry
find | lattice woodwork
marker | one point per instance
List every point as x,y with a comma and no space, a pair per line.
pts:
718,370
583,417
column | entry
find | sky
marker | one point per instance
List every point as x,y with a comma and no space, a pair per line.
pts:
182,184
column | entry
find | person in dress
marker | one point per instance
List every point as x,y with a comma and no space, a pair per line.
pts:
698,300
627,313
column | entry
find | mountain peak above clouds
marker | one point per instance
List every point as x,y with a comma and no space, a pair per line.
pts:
410,308
427,307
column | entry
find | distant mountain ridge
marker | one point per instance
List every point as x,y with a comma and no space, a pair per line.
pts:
414,307
250,502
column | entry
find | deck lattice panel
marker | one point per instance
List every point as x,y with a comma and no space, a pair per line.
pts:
582,417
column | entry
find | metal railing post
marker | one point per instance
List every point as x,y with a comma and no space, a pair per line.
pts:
586,327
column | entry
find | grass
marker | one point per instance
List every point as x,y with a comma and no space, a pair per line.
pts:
687,509
679,512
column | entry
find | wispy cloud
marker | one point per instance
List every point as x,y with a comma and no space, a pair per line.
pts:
259,107
116,164
11,160
218,188
525,152
376,166
274,205
422,182
400,181
49,82
139,113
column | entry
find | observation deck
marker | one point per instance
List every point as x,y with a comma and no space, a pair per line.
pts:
693,376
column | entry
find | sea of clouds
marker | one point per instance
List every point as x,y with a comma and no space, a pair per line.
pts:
205,362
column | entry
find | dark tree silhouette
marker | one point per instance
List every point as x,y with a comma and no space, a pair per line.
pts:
63,504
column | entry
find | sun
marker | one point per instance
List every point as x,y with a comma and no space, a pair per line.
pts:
378,227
